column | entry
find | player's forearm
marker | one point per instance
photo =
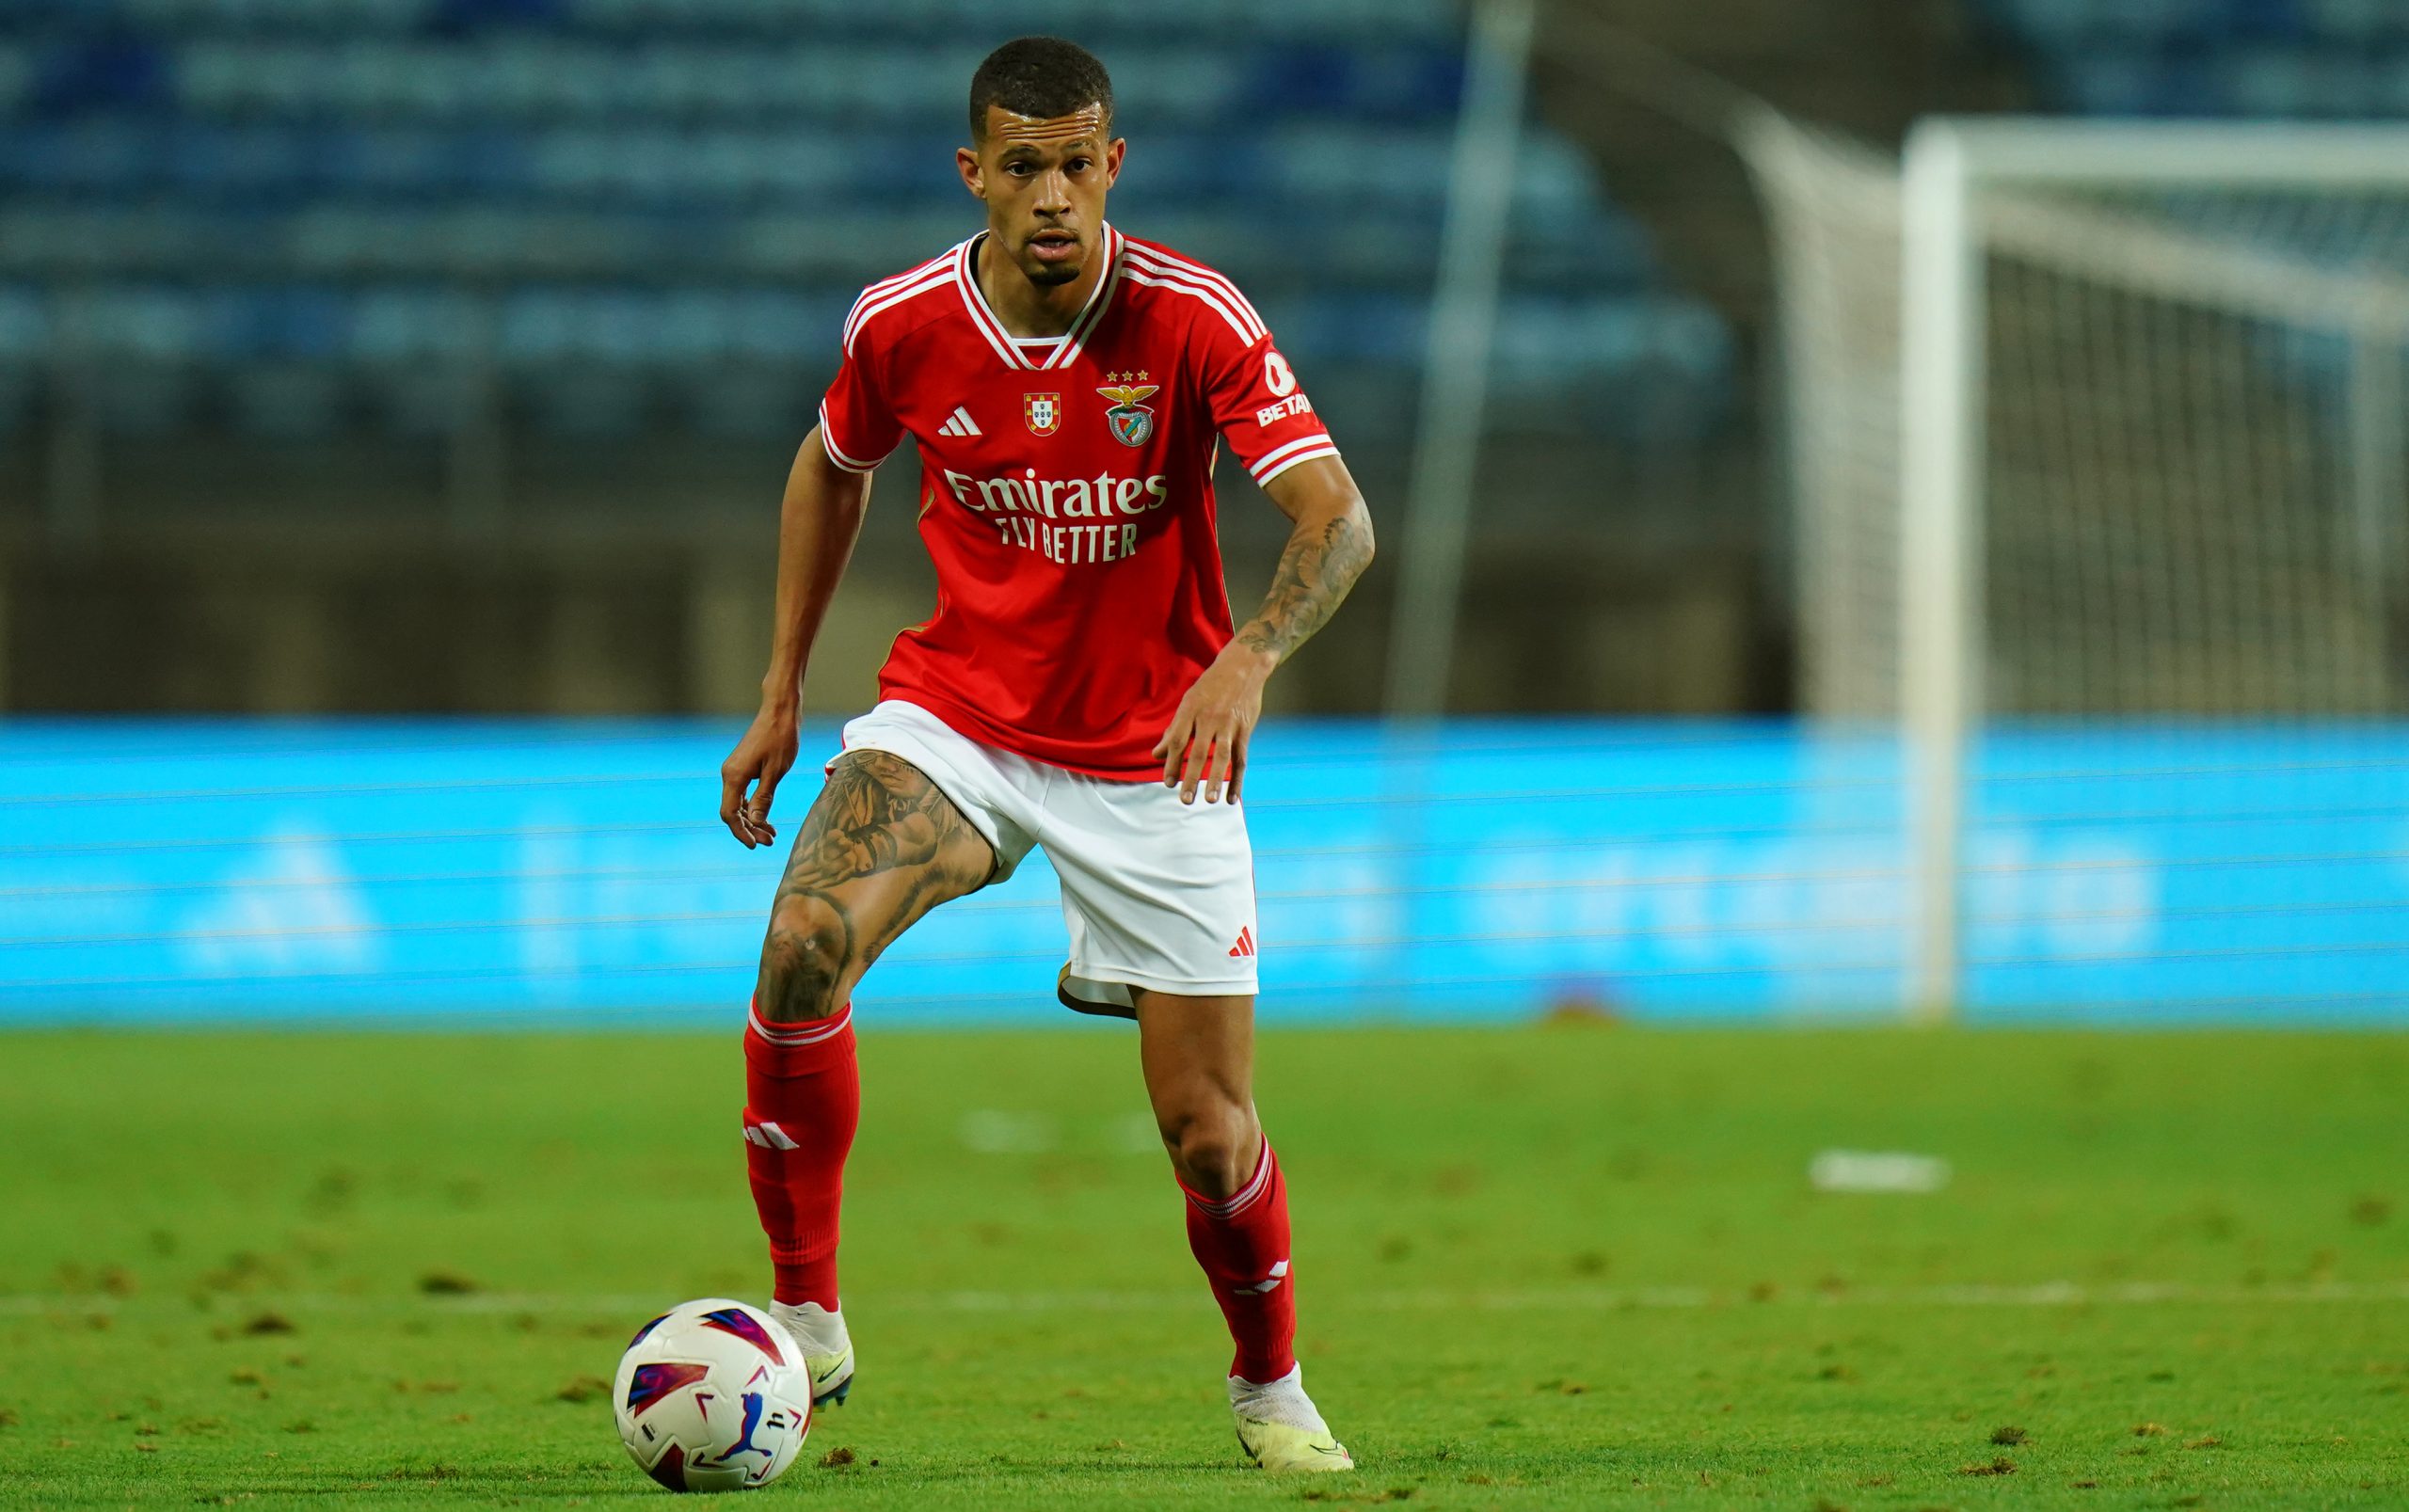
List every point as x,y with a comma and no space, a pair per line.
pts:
1329,549
817,523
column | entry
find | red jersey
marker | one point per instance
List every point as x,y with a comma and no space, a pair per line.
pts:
1067,492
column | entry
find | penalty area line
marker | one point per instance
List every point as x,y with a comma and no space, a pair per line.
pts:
1542,1299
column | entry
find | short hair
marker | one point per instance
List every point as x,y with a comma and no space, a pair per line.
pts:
1040,77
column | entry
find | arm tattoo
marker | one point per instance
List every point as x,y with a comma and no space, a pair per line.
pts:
1315,571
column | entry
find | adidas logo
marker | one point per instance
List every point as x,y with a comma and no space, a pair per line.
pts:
1246,943
960,424
769,1136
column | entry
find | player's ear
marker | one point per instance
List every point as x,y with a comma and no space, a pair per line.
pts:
1113,154
974,177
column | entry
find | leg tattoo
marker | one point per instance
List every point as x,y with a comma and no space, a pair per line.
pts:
881,847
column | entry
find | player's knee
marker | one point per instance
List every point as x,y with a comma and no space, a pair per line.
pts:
807,963
1210,1141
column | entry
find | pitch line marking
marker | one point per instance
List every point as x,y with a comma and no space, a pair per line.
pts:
2045,1293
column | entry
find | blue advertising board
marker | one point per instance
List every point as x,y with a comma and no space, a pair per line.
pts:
575,873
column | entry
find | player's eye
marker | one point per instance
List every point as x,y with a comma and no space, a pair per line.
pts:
1079,165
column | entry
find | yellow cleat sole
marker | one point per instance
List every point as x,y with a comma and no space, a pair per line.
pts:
1306,1459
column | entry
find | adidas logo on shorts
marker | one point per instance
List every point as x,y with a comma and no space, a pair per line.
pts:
1246,943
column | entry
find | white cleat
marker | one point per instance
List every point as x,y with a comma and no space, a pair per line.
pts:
1279,1428
827,1349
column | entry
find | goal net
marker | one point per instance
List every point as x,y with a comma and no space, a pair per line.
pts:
2098,454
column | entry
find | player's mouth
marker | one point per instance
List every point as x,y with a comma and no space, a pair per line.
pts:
1054,246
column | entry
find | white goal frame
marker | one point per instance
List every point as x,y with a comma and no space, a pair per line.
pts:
1950,161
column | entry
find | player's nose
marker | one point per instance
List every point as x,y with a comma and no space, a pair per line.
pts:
1054,192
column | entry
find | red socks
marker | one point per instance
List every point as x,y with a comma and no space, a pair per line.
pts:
802,1096
1242,1243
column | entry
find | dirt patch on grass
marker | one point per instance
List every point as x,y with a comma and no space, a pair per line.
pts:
582,1388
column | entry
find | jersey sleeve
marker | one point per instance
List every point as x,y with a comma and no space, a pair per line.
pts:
855,424
1256,403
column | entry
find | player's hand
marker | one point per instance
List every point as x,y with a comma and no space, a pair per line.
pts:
759,762
1205,741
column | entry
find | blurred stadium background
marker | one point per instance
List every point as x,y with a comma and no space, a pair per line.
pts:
394,396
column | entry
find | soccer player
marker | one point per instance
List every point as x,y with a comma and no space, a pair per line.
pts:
1080,687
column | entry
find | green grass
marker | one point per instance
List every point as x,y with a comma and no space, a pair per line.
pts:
1572,1268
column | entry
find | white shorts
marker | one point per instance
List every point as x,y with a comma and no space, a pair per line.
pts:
1157,892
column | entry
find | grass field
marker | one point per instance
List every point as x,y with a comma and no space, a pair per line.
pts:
1564,1268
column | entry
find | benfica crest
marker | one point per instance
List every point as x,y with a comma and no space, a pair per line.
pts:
1132,423
1043,412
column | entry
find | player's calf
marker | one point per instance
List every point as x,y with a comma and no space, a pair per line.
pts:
802,1103
1240,1241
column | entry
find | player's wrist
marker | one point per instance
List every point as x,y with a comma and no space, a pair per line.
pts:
782,697
1248,653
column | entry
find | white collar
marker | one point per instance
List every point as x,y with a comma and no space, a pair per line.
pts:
1069,344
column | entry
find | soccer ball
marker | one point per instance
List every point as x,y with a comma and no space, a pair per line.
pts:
712,1396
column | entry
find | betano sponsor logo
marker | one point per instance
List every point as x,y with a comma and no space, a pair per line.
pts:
1296,403
1027,511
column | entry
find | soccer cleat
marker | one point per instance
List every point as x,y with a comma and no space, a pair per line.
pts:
827,1349
1276,1446
1279,1428
832,1377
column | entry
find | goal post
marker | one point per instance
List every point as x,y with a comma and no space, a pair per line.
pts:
2095,426
1941,328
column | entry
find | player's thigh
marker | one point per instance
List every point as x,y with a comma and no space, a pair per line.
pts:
1196,1050
1197,1054
881,846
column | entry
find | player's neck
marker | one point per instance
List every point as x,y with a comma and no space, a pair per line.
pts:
1026,310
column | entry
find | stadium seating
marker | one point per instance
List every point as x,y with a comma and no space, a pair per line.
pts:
2305,58
292,216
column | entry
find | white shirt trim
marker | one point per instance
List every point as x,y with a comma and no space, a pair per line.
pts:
1008,346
